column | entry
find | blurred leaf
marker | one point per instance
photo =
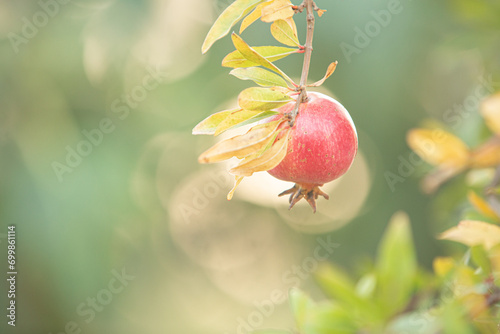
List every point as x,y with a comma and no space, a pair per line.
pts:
321,12
240,146
251,54
256,98
277,10
396,265
209,124
284,32
366,285
438,147
472,233
260,76
443,266
227,20
252,17
481,205
487,155
270,53
480,258
453,320
301,304
261,162
329,72
438,177
270,331
327,319
490,110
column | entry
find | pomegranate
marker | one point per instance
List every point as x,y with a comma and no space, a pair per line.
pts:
322,146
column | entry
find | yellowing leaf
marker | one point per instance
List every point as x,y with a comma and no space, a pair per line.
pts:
490,110
329,71
270,53
260,76
252,17
481,205
443,265
251,54
237,182
234,119
265,161
209,124
256,98
277,10
227,20
471,233
284,33
487,155
438,147
240,146
321,12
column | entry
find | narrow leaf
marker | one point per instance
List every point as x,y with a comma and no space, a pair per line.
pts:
252,55
252,17
270,53
481,205
209,124
260,76
234,119
237,181
227,20
266,161
256,98
240,146
329,72
283,32
277,10
472,233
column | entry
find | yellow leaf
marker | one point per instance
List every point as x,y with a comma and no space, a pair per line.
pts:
237,182
329,71
278,10
490,110
258,98
260,76
252,55
270,53
252,17
227,20
486,155
209,124
321,12
265,161
472,233
234,119
283,32
443,265
439,147
481,205
240,146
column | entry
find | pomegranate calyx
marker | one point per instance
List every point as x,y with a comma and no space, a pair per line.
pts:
307,191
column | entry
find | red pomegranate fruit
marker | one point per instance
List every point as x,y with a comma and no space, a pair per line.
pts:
321,148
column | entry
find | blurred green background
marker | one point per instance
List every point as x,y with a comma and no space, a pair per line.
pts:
99,169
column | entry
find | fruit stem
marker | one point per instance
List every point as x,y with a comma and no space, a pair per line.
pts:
310,6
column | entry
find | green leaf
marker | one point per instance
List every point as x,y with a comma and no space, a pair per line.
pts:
397,266
480,258
234,119
270,53
256,98
329,318
252,55
209,124
227,20
260,76
301,304
284,33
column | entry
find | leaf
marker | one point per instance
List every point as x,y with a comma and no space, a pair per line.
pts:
256,98
321,12
443,266
237,181
277,10
481,205
472,232
490,110
240,146
265,161
480,258
250,54
209,124
260,76
284,33
487,155
259,117
270,53
329,71
396,265
234,119
270,331
301,305
439,147
329,318
227,20
252,17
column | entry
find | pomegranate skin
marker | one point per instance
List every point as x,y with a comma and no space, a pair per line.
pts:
322,145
